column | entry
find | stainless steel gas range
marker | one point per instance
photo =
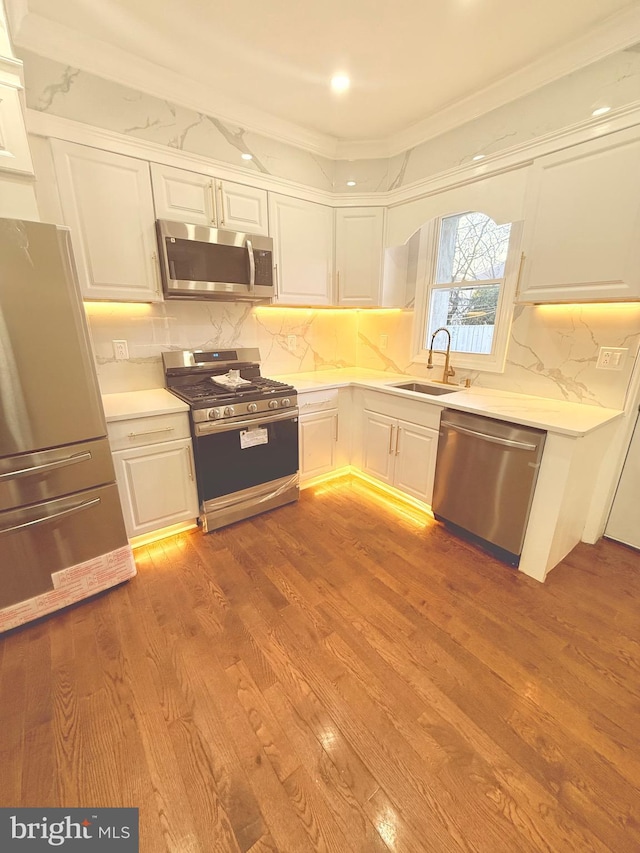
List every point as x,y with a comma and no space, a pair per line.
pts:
244,428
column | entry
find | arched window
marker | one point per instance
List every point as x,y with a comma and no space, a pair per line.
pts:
466,289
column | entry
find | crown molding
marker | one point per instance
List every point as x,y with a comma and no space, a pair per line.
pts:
56,127
617,33
516,157
62,44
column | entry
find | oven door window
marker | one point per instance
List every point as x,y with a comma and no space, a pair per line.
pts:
237,459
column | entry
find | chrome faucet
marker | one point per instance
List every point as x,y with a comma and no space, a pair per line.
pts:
448,370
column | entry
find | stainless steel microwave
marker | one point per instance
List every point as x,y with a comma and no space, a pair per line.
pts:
197,262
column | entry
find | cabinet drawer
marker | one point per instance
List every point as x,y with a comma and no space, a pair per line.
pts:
139,432
421,412
317,401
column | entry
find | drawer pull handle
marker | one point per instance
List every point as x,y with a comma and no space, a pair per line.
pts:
47,466
316,403
188,451
151,431
43,519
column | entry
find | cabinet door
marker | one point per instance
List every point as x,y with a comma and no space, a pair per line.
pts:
157,485
242,208
582,220
183,196
106,200
415,452
359,255
303,237
318,436
379,436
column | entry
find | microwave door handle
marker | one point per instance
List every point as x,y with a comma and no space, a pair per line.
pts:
252,267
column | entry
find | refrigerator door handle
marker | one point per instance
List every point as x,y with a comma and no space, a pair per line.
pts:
45,518
47,466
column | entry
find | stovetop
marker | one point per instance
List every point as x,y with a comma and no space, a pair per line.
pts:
204,393
191,375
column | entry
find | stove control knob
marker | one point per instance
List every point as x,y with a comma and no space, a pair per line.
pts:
252,407
286,402
229,411
212,414
273,404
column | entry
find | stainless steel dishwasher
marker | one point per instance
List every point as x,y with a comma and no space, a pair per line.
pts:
486,472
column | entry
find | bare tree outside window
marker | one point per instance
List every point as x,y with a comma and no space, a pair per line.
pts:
472,253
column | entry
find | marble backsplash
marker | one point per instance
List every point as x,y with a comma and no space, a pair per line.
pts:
52,87
552,349
324,338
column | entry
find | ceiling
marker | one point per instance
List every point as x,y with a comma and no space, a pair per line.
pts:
417,67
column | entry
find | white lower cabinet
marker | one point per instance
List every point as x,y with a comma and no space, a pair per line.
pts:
322,448
401,454
156,478
396,440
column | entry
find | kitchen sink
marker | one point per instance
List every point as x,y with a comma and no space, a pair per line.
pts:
426,389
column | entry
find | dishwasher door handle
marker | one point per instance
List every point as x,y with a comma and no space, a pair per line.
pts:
505,442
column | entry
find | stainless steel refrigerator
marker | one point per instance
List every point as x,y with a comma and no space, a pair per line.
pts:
62,535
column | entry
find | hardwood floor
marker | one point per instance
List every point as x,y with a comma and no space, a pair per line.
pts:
338,675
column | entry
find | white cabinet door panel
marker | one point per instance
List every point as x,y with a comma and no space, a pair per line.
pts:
582,220
359,233
157,485
107,202
416,460
183,196
379,444
243,208
303,237
318,435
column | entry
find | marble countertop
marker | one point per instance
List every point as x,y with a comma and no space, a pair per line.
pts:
138,404
557,416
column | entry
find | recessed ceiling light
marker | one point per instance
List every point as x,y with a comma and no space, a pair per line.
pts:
247,156
340,82
600,111
351,183
478,156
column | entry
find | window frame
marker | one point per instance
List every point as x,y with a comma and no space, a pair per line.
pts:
494,361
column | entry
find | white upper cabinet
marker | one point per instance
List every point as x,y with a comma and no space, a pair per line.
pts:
107,202
185,196
581,239
359,235
303,238
242,208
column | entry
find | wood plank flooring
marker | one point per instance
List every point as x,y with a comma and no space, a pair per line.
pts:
341,674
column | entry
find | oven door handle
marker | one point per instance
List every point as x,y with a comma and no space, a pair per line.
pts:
213,426
252,267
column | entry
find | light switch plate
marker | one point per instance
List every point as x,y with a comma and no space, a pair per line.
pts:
611,358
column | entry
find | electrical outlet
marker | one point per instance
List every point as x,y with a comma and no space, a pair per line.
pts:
292,342
120,350
611,358
384,341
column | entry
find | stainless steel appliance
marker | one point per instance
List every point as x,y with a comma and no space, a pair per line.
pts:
245,432
486,472
198,262
62,535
